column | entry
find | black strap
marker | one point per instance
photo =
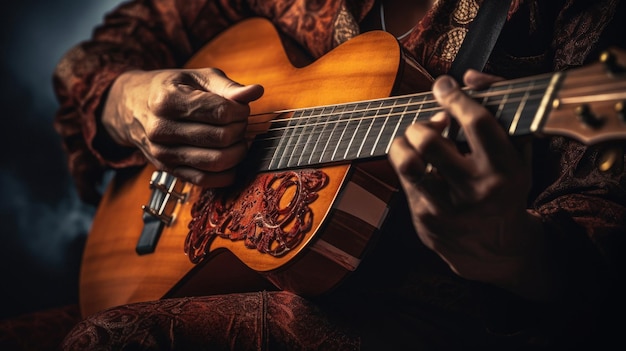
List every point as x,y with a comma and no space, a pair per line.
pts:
481,37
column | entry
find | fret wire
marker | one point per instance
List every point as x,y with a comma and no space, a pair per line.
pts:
351,126
280,141
369,128
356,130
334,126
285,146
518,113
324,124
312,134
300,130
263,146
395,130
509,112
332,157
388,129
419,109
271,141
379,133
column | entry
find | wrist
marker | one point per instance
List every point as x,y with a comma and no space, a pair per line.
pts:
116,111
108,140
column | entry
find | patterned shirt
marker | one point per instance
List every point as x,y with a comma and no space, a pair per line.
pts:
585,207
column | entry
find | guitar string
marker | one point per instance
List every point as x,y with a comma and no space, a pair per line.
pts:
368,117
353,130
586,97
331,114
335,144
500,90
427,112
383,24
477,95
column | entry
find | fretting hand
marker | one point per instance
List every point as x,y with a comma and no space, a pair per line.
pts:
470,207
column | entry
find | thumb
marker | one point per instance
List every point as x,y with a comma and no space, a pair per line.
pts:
243,94
216,81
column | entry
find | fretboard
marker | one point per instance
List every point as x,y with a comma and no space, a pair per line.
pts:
366,129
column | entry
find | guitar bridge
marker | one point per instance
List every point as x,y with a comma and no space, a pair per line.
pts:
167,192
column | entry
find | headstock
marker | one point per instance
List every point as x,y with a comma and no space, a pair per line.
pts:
589,103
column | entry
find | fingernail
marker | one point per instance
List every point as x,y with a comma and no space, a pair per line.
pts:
445,84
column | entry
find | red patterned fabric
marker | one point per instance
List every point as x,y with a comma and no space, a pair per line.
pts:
254,321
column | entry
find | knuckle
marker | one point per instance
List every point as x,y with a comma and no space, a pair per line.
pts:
155,128
214,71
219,112
157,100
223,136
232,134
213,161
455,97
158,152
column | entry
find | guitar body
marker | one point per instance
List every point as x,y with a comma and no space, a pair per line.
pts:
342,215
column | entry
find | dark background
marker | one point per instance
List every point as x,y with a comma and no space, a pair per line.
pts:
43,225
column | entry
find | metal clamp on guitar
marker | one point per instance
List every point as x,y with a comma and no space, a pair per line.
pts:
167,192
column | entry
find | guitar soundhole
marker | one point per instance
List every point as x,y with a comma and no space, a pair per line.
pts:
271,214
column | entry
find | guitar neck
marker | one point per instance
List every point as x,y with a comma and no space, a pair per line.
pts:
366,129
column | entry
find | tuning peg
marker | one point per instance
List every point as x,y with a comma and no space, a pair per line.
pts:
609,59
589,118
621,111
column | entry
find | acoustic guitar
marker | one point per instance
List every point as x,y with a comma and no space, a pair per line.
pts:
317,188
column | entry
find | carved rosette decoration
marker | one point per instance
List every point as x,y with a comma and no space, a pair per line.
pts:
271,214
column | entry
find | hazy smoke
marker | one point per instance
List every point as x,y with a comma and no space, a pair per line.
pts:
42,222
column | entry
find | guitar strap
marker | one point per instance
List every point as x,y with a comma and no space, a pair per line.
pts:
480,40
481,37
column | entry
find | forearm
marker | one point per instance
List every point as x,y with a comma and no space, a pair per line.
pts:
134,36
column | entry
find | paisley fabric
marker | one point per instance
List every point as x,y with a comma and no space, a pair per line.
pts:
232,322
403,294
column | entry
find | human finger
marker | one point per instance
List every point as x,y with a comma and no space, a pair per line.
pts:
209,160
216,81
172,132
485,137
206,96
435,149
413,172
423,184
477,80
